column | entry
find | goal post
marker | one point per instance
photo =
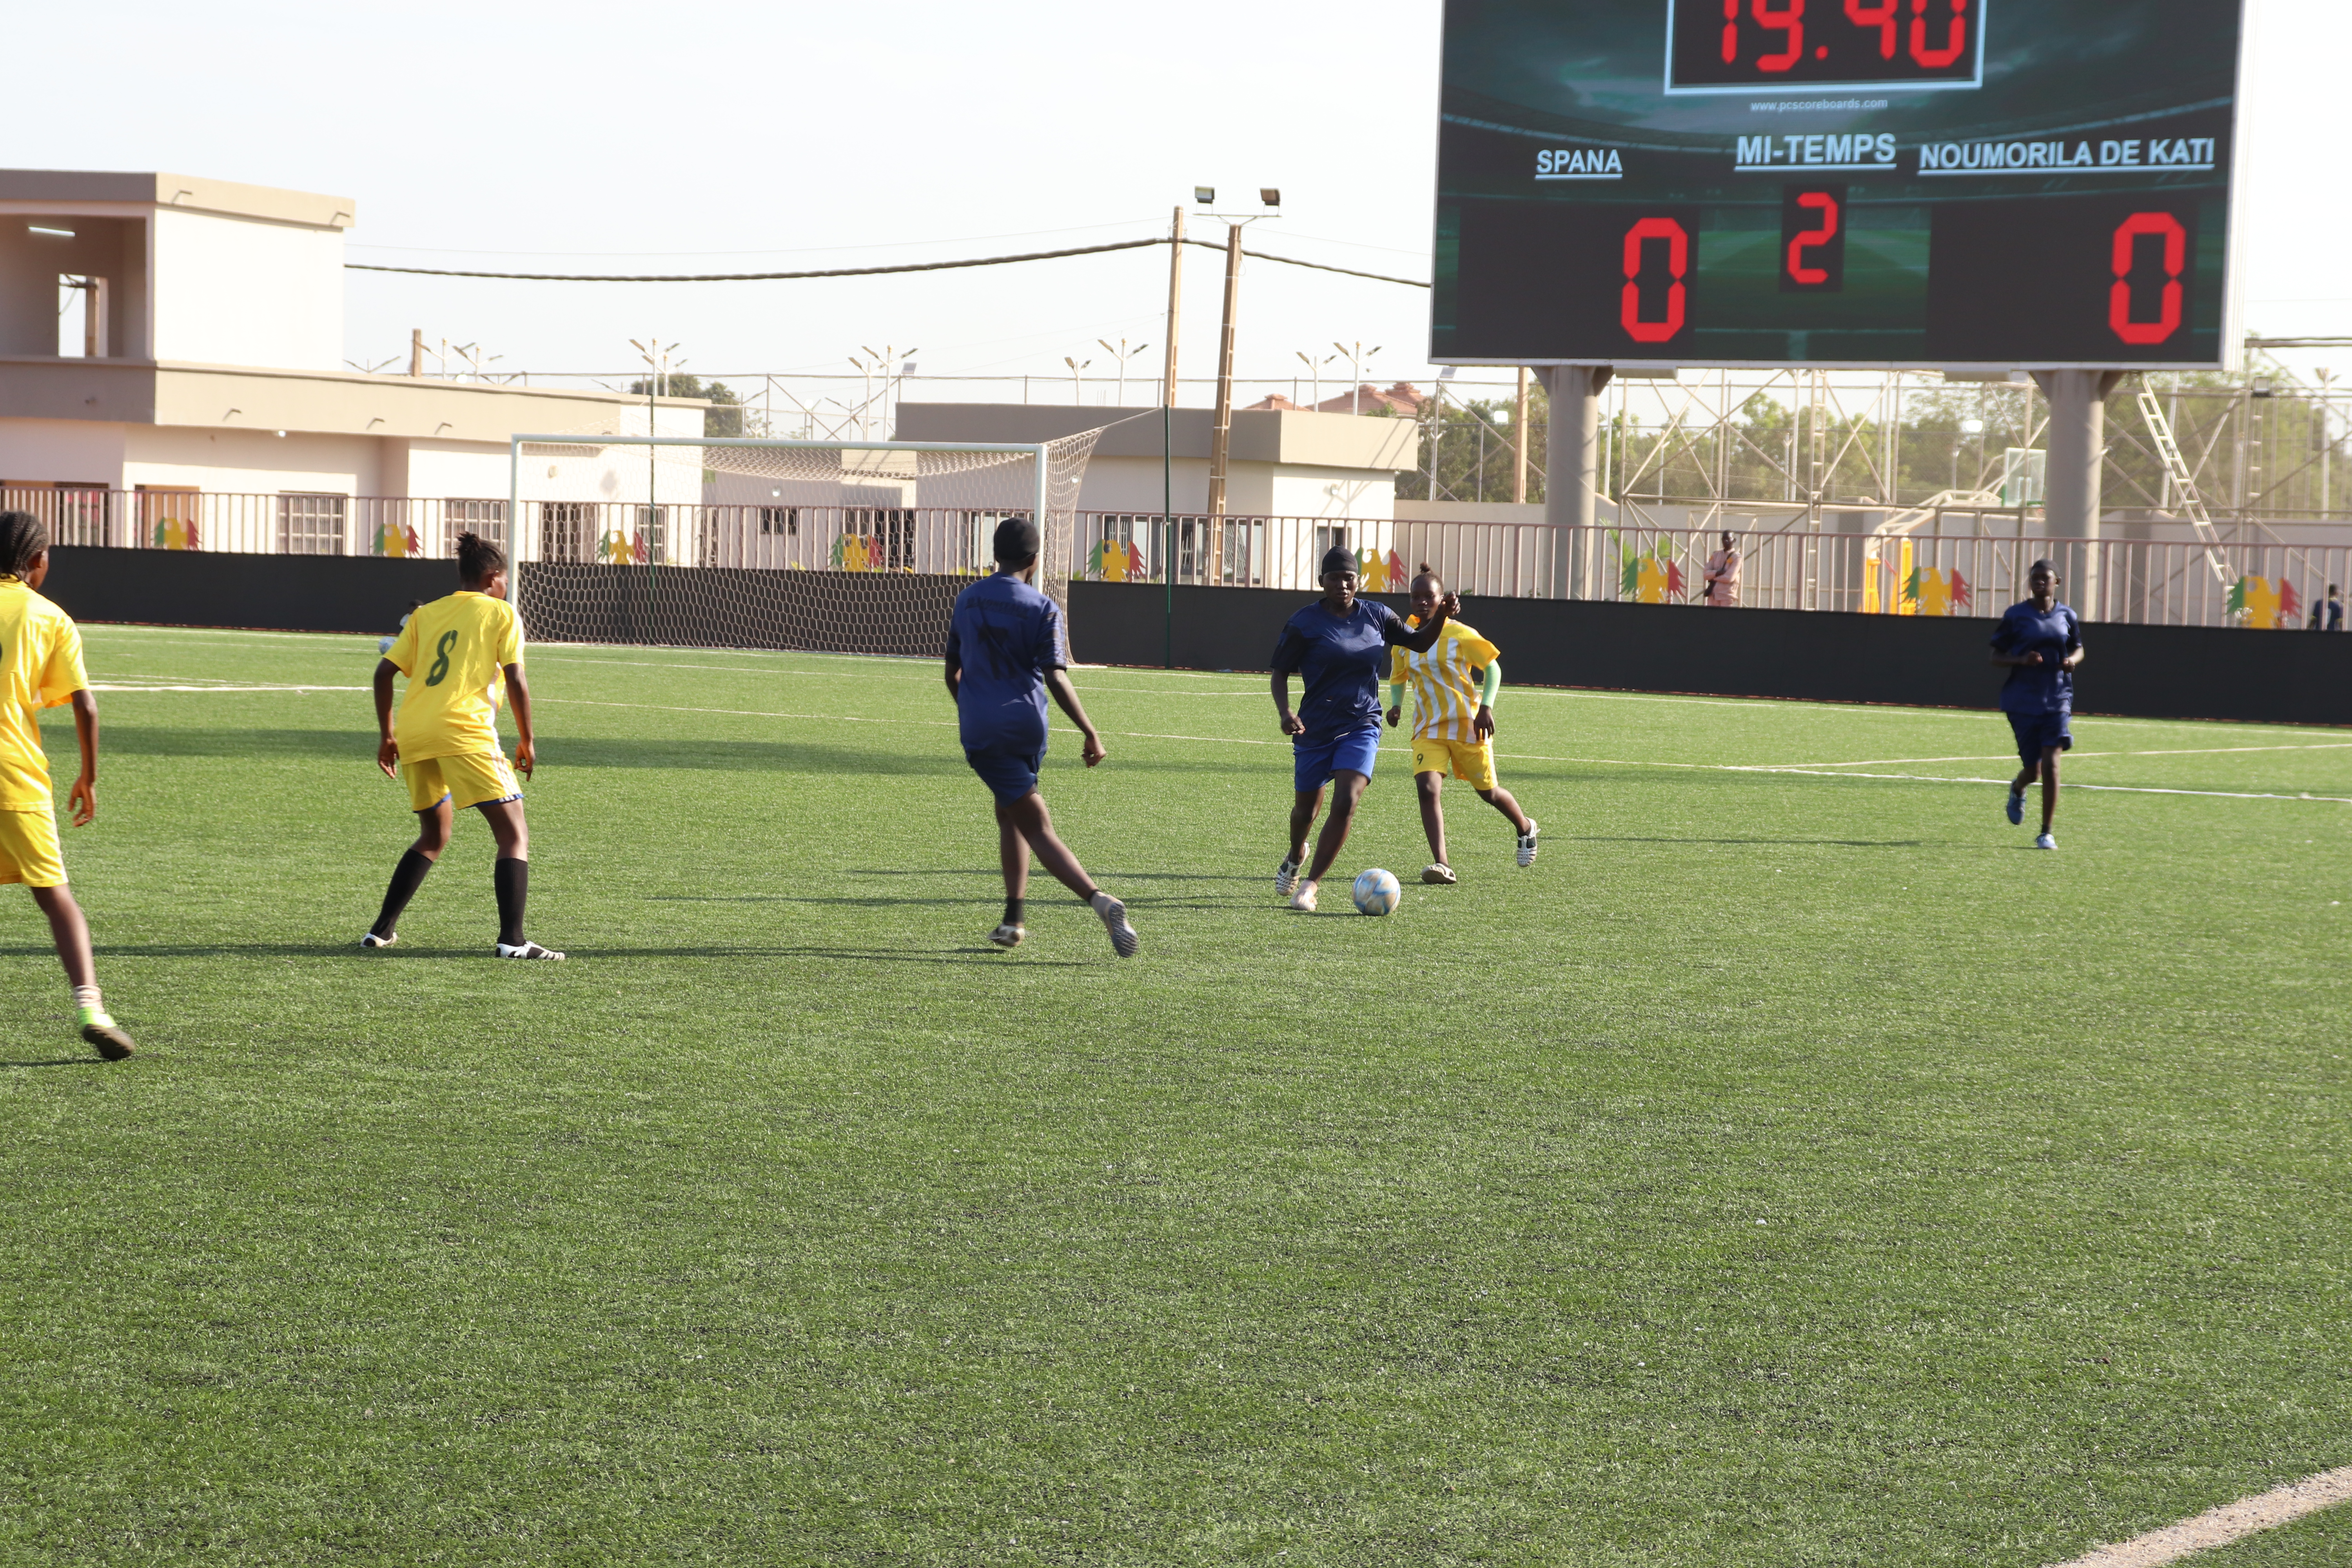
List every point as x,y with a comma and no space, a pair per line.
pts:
746,542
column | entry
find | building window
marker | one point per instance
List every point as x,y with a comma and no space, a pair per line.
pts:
487,518
566,526
311,524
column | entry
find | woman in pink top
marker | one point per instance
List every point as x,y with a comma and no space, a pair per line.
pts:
1722,577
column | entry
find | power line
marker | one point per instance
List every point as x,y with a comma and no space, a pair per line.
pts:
856,271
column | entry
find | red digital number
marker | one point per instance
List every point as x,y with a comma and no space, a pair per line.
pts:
1826,205
2176,258
1881,16
1956,42
1678,263
1789,20
1730,31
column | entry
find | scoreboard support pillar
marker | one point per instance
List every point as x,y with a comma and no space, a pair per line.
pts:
1572,473
2078,450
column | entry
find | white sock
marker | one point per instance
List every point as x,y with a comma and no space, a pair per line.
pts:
1101,901
86,998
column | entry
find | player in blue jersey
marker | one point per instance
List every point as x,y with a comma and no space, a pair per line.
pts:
1005,653
1339,647
2039,643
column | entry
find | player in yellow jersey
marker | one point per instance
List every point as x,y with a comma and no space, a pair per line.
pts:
1453,723
459,654
40,667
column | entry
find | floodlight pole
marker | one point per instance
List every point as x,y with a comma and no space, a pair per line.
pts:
1519,442
1221,434
1175,305
1572,472
2072,482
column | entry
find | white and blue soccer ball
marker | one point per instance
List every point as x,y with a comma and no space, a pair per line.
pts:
1377,892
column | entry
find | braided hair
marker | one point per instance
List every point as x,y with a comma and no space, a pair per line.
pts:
478,559
23,537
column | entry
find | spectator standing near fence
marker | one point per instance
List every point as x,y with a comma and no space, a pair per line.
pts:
2329,617
1722,589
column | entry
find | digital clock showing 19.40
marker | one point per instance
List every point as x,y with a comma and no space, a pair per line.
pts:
1888,46
1971,184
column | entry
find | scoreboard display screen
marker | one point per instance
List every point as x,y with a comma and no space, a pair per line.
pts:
1960,183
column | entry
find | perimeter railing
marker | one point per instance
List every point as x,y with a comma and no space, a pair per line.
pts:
1960,563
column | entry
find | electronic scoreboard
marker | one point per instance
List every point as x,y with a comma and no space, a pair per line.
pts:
1987,184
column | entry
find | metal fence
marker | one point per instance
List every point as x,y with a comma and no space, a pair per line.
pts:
1968,563
1960,563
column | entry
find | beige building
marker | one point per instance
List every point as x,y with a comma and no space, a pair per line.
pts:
174,345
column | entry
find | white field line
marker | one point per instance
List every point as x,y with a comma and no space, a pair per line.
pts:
2071,756
2220,1526
901,662
1823,770
1514,756
125,685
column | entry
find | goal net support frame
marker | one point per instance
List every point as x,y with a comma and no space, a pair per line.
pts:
784,542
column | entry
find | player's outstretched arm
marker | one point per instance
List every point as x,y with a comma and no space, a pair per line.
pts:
1425,638
1058,681
1481,725
387,749
83,798
526,744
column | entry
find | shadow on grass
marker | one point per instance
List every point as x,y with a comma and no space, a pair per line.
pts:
1101,873
1831,843
60,1062
407,954
559,753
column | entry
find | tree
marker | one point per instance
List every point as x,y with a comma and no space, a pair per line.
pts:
723,418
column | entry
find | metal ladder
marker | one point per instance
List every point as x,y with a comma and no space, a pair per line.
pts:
2177,467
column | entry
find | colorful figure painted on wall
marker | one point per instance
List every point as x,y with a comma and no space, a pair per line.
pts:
2265,605
1653,577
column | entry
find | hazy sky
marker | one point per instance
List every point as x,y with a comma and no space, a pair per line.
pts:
718,136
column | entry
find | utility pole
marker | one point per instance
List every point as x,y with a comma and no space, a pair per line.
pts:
415,351
2327,446
1519,442
1221,434
1175,304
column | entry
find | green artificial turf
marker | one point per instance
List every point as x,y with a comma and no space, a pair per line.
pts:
1787,1170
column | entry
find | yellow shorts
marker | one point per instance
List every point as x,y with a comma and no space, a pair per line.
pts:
469,779
1472,762
28,848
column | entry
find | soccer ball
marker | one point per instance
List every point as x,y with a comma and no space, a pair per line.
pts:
1377,893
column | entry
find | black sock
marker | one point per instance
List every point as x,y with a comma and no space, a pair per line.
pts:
406,877
1014,909
512,879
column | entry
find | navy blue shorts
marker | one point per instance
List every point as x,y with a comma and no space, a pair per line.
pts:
1011,774
1314,762
2036,732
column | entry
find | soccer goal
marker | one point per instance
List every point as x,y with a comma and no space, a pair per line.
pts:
718,541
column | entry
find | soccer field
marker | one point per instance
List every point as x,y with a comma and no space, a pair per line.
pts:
1791,1168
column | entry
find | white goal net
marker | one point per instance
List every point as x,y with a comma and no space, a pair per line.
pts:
841,547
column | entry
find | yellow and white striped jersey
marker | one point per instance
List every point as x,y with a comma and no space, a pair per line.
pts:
1444,696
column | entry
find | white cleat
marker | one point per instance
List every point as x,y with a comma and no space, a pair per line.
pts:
1303,900
1123,940
1286,877
372,939
529,950
1438,874
1527,843
1007,934
2043,841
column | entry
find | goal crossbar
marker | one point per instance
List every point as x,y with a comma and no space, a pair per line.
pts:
515,444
